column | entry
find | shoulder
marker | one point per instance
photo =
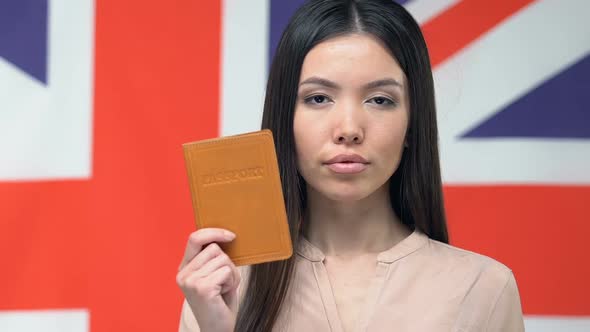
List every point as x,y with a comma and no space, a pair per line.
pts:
464,262
447,268
486,287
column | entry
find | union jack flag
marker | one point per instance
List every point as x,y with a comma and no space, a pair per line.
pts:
97,96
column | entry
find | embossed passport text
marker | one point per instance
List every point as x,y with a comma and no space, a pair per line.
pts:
235,185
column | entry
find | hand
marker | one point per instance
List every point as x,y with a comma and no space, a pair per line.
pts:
209,280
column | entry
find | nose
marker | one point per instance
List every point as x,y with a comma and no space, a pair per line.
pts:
349,128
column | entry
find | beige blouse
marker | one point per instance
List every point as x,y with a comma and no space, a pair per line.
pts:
419,285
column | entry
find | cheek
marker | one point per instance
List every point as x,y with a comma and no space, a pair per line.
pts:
389,140
310,136
301,133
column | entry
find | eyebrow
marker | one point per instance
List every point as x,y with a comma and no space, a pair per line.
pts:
333,85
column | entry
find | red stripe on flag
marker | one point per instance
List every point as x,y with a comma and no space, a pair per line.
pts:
113,244
43,245
540,232
157,86
464,22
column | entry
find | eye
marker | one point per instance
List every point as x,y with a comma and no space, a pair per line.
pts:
382,101
317,100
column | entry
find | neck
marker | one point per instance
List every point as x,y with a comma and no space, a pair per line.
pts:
366,226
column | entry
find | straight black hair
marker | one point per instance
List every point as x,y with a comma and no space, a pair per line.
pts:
415,187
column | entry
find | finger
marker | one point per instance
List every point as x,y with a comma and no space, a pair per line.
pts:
211,251
213,265
237,275
197,240
199,289
236,279
224,277
210,285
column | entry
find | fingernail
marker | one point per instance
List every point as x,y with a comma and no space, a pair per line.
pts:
229,235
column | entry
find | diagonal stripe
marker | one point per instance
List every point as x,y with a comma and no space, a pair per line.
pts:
558,108
425,10
465,22
491,73
23,35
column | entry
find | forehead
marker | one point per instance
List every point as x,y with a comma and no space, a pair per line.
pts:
354,58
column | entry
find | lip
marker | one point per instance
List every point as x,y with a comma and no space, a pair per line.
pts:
347,158
347,164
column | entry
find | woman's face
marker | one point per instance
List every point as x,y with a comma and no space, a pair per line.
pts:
351,117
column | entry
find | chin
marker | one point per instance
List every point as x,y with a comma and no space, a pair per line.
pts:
344,193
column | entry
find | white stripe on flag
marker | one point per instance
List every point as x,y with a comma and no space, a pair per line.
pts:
45,321
552,324
46,130
244,54
502,66
424,10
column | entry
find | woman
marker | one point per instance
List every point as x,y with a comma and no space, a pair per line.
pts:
350,101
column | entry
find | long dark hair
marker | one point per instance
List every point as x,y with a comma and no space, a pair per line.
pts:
415,187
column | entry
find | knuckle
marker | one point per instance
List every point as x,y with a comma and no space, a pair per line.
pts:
201,289
224,258
180,280
194,238
215,248
238,278
226,270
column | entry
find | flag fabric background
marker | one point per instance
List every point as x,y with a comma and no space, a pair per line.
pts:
96,98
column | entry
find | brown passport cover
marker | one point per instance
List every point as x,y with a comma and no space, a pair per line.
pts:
235,185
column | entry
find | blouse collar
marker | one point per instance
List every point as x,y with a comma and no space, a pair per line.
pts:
413,242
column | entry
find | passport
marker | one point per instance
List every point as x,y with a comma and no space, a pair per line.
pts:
235,185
